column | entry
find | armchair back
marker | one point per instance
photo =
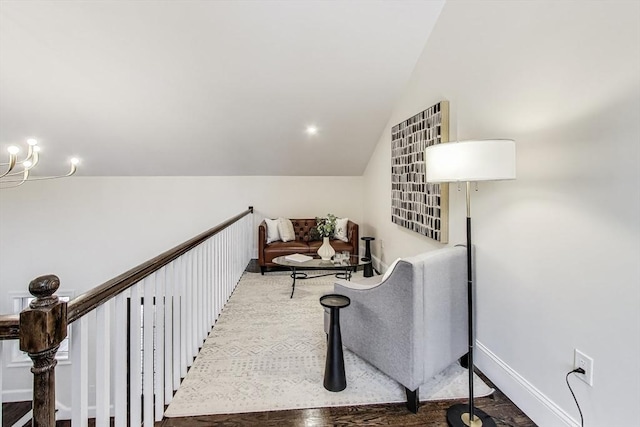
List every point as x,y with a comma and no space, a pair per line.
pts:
412,325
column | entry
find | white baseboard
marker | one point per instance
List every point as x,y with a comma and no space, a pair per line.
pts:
378,264
542,410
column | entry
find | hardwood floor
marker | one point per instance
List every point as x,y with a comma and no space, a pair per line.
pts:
432,414
13,411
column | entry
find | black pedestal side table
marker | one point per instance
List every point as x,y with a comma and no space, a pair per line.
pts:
334,376
368,268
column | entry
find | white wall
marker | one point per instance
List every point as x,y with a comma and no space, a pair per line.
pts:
88,230
558,249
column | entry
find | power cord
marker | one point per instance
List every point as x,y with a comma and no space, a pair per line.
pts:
575,371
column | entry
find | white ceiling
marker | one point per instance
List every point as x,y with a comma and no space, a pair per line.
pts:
206,87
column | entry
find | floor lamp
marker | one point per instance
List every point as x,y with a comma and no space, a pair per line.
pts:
470,161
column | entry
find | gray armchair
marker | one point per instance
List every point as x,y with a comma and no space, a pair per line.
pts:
412,325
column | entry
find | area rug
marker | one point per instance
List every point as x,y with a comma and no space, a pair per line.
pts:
267,352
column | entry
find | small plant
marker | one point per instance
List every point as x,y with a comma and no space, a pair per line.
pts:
326,226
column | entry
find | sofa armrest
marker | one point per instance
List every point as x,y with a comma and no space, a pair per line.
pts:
353,236
262,242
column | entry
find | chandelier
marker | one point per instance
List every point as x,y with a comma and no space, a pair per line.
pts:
16,172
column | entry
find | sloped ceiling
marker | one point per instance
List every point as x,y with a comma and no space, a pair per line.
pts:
206,87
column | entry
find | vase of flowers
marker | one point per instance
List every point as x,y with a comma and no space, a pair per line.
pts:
326,227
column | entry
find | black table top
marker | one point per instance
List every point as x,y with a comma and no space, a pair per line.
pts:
334,301
367,238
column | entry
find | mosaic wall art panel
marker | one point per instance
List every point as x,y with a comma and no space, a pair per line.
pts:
415,204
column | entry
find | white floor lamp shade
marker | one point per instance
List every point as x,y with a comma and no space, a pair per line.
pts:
469,161
481,160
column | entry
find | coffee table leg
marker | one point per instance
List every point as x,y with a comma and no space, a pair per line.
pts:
293,286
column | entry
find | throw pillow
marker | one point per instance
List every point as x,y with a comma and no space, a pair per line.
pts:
273,235
390,270
285,227
341,229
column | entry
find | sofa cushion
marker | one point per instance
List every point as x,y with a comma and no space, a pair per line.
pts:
285,227
341,229
273,235
277,249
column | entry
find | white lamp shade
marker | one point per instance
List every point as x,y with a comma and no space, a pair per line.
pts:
481,160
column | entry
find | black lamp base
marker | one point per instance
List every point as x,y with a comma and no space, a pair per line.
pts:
458,416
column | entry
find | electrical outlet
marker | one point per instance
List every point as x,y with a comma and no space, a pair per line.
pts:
581,360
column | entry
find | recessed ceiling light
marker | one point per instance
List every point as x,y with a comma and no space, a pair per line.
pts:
312,130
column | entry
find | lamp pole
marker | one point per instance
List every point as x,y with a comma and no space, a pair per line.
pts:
470,300
467,415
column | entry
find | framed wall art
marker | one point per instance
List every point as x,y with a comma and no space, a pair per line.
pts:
415,204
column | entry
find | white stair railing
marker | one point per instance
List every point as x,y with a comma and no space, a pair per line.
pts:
170,312
145,327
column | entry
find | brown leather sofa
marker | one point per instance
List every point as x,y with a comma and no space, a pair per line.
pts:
304,243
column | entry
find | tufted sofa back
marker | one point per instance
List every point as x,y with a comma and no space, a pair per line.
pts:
302,228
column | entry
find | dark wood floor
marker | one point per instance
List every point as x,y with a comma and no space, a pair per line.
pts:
432,414
13,411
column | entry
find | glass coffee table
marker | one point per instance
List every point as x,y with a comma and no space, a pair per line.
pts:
345,267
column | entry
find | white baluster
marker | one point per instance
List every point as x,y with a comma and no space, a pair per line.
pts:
103,365
207,286
229,264
225,256
184,339
80,372
159,346
218,281
200,302
120,360
211,284
135,356
169,327
147,366
193,284
188,310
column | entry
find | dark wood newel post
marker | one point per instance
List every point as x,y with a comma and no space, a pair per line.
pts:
43,326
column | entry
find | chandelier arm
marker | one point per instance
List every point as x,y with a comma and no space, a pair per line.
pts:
36,159
30,153
12,163
25,176
42,178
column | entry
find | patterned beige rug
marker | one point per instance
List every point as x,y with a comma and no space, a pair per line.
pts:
267,352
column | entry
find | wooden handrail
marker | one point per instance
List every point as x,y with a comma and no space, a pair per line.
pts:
9,326
83,304
88,301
